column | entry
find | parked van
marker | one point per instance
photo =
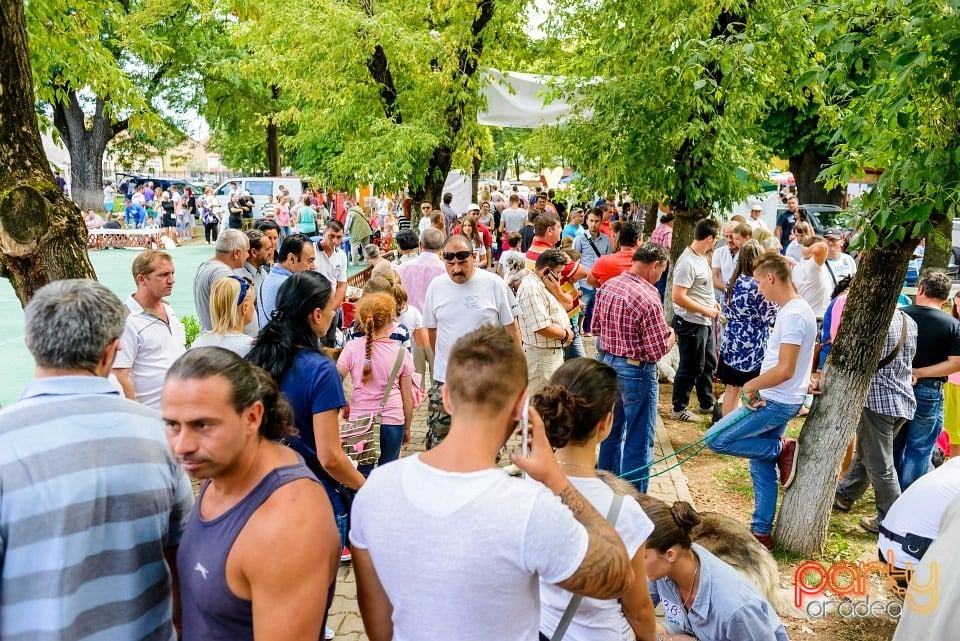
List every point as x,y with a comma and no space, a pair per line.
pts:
259,187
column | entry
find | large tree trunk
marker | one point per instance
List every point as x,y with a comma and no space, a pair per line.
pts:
652,219
936,254
805,511
86,147
805,168
273,138
475,176
42,235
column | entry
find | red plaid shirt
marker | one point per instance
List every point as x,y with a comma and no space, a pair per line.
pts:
628,319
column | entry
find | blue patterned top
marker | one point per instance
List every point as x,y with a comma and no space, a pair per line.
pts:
749,317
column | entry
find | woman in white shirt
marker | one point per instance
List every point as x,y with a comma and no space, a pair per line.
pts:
231,309
577,412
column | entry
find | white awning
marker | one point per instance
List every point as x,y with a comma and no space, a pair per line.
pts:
517,100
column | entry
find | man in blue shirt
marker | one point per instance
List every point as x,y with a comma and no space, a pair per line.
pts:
297,254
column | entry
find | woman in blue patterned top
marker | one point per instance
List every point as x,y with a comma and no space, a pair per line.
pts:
747,318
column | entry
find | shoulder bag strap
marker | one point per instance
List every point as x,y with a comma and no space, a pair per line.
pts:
833,276
593,245
393,376
575,600
896,350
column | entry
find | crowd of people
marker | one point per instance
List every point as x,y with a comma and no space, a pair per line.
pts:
481,314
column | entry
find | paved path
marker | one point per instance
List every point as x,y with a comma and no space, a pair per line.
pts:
344,615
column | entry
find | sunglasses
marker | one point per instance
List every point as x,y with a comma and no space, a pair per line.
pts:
244,286
458,256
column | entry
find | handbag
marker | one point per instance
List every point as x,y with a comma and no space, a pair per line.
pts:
360,437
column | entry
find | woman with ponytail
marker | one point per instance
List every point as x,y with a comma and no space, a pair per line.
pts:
702,596
232,301
288,347
577,412
369,360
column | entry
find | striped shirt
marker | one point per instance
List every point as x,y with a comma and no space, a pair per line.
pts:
91,498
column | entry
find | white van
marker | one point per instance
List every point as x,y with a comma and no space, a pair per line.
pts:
259,187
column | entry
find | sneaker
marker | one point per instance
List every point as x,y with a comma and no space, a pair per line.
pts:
870,524
765,540
787,461
346,556
841,504
328,633
686,415
707,410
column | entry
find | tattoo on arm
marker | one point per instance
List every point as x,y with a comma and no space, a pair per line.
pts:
605,571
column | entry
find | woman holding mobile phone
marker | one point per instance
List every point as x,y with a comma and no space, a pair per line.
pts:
577,413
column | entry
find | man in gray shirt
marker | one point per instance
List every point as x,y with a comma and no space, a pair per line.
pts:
231,251
695,309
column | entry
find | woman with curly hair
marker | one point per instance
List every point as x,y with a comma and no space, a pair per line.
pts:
370,360
577,413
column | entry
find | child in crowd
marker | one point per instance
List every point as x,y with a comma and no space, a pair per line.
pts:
513,251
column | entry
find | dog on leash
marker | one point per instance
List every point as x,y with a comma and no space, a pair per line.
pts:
731,542
667,366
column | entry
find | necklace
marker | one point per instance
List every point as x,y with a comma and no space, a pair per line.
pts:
693,584
584,467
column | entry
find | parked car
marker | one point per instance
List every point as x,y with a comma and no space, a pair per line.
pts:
259,187
162,183
822,216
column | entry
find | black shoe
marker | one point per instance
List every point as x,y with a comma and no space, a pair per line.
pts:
841,504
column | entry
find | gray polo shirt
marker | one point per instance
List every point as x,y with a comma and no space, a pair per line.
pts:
727,605
207,272
693,272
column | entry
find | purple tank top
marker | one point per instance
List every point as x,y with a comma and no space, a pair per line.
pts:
211,612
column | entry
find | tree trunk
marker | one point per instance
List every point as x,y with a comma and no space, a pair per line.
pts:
273,138
683,224
42,235
936,254
805,168
475,176
652,219
86,147
805,511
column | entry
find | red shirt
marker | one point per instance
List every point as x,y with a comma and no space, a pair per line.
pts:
605,229
612,265
628,319
484,234
567,284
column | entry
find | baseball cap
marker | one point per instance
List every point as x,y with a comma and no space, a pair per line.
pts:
473,206
757,208
834,233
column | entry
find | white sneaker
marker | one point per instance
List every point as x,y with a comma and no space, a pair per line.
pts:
686,415
328,634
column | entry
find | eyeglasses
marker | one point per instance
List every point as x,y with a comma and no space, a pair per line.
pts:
458,256
244,286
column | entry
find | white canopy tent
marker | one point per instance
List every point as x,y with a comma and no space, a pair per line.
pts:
517,100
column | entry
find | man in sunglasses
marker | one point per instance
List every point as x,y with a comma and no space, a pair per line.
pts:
461,302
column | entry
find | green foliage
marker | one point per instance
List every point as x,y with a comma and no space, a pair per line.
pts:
896,69
191,326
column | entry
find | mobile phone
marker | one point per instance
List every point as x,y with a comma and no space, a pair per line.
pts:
525,427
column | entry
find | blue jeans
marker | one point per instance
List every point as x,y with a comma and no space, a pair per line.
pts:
914,444
628,450
756,435
575,348
391,440
588,295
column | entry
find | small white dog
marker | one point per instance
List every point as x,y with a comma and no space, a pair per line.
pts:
667,366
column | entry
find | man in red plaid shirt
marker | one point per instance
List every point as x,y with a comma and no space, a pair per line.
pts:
632,336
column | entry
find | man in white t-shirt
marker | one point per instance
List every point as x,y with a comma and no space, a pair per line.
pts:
755,221
447,546
839,264
463,301
724,260
331,261
695,308
514,217
755,431
811,278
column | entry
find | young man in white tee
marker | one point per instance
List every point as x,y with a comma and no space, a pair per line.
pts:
811,277
755,431
447,546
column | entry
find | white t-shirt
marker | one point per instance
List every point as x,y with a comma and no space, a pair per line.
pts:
455,310
596,619
411,318
148,347
795,325
725,261
794,251
513,218
460,555
843,265
919,508
334,267
693,272
240,344
507,255
813,284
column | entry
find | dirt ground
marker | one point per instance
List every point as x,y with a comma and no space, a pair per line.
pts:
722,484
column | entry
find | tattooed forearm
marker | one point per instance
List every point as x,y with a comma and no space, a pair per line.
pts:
605,571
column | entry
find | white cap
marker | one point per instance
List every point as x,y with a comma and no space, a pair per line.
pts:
473,206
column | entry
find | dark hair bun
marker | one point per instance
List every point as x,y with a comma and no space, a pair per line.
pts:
685,516
558,407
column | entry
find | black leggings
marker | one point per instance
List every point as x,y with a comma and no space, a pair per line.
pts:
210,231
